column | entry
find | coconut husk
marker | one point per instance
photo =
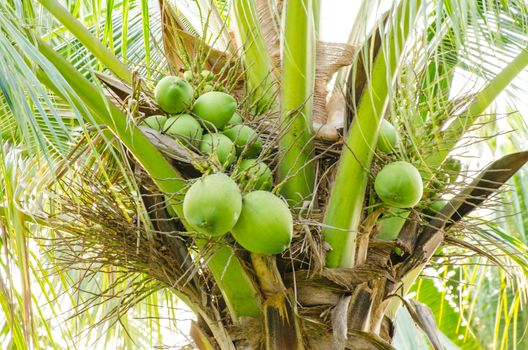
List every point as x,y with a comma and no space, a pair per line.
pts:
329,58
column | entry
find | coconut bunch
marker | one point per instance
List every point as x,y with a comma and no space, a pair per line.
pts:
234,194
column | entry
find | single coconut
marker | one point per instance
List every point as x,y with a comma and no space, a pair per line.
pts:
220,146
188,75
399,184
246,140
265,225
208,88
207,75
173,94
185,128
388,137
255,175
213,204
236,119
155,122
215,108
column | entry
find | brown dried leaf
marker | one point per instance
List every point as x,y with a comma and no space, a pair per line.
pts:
282,329
201,340
182,47
121,92
425,319
366,341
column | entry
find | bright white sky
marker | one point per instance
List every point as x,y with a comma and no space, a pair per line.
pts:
336,19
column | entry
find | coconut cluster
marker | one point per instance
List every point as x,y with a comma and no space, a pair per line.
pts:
216,204
398,184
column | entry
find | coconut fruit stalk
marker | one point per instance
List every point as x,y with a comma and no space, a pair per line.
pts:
392,223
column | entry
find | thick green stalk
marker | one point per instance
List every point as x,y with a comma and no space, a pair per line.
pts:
343,213
93,44
257,62
226,267
296,164
480,103
316,8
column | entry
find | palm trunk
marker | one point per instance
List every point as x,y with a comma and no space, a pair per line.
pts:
330,309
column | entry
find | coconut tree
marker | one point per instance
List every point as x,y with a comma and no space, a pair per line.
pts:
360,142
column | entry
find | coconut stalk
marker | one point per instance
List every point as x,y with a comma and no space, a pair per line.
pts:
282,326
257,62
296,150
345,205
226,267
87,39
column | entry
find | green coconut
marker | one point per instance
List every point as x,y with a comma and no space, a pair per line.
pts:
185,128
173,94
215,108
220,146
213,204
156,122
236,119
265,225
207,75
255,175
208,88
388,137
188,75
246,140
399,185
